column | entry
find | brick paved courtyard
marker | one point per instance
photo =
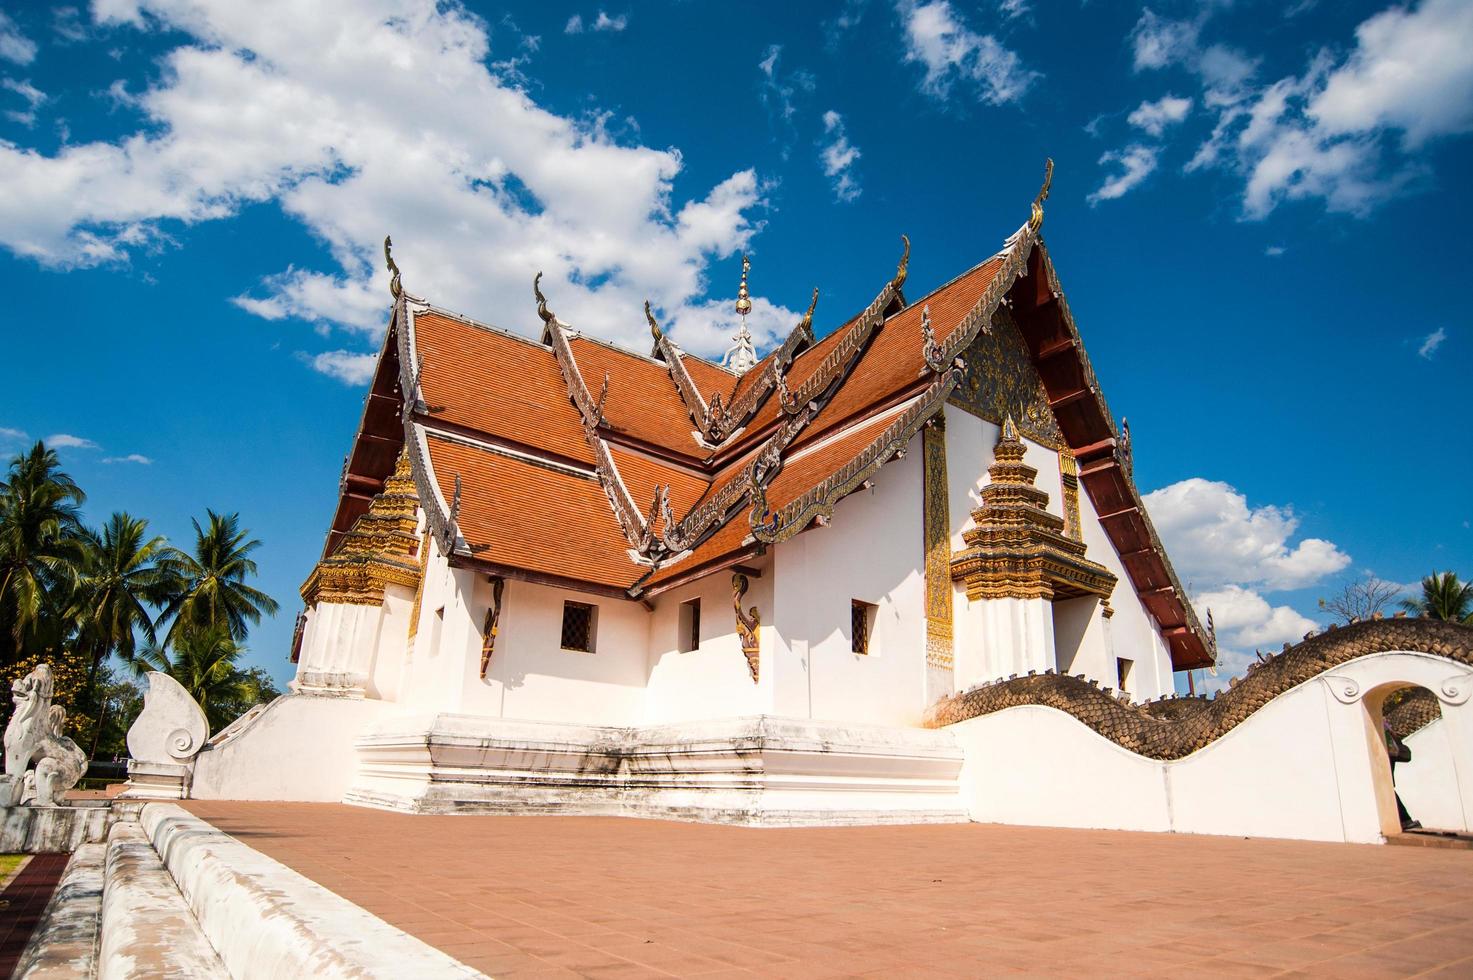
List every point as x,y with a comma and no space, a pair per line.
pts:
609,897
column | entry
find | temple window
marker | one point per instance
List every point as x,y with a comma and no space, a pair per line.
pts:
861,625
1123,669
580,624
690,625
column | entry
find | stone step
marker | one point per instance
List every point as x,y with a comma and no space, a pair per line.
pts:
64,945
1432,838
147,929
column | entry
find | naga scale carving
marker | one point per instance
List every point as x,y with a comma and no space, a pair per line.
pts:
1173,728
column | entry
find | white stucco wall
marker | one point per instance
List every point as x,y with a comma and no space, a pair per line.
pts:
713,680
531,677
871,551
1309,765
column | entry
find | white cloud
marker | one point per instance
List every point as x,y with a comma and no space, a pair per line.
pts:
1215,539
1155,117
138,458
15,46
1431,342
64,440
329,110
950,51
346,366
1274,251
1246,623
1136,164
606,23
602,22
1157,42
1346,130
1013,9
16,435
33,97
779,94
1410,71
838,157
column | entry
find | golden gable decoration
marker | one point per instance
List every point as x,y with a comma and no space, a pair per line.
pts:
379,549
1001,381
1018,550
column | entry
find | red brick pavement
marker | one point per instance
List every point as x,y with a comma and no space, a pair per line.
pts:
609,897
23,902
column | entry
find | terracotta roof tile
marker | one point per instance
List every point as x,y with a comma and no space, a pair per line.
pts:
503,386
709,378
531,517
643,400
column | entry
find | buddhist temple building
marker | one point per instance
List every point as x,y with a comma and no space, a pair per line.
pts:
537,528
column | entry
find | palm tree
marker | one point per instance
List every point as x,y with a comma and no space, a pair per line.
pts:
210,584
122,573
204,662
1443,597
40,543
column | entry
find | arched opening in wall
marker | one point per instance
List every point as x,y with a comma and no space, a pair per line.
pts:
1416,786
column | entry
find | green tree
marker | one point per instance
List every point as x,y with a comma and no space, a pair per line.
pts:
205,662
210,583
122,573
1443,597
41,547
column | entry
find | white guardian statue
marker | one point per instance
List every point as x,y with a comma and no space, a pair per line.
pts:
35,735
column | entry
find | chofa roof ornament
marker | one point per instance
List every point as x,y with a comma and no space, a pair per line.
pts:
1035,220
548,317
395,288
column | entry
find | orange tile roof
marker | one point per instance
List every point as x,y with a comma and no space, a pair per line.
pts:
710,379
643,401
533,517
503,386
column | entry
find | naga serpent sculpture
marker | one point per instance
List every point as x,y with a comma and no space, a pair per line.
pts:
1175,727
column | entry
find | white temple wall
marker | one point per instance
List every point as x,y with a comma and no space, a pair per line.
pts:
1310,765
387,672
711,681
532,677
872,551
434,669
1425,783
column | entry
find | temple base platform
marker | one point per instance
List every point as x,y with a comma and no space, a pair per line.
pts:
754,771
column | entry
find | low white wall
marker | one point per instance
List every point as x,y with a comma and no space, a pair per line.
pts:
1309,765
299,748
1424,782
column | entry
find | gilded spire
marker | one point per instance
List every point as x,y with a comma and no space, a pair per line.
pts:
1035,221
742,355
743,303
394,287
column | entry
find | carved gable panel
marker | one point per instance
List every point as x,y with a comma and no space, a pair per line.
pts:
1000,380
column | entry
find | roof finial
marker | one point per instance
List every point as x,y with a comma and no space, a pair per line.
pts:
743,303
741,356
394,287
902,270
649,316
548,317
1035,221
1009,430
807,322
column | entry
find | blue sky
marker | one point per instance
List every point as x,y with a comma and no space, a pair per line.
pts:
1257,216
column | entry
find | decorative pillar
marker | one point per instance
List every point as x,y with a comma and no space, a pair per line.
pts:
347,590
1018,559
936,522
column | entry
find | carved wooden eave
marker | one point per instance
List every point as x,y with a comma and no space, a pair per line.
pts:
1017,549
381,549
439,513
1041,311
756,392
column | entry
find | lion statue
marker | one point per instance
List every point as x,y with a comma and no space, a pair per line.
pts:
35,735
